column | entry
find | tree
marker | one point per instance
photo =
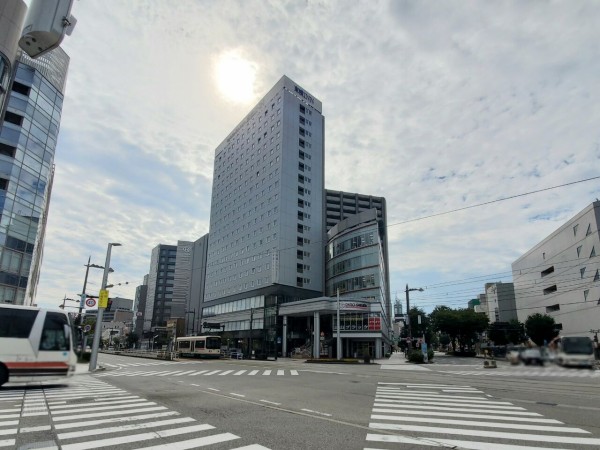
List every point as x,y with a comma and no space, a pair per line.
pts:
132,340
116,341
497,332
516,332
541,328
461,325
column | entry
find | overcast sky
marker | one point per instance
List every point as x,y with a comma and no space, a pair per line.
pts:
433,105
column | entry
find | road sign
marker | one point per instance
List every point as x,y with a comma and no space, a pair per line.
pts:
103,299
87,328
90,302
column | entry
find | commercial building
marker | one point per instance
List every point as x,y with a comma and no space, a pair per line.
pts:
139,307
500,302
161,278
560,276
27,147
266,227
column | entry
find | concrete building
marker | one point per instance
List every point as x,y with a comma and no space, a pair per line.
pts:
560,276
267,215
500,302
161,278
31,97
196,291
139,308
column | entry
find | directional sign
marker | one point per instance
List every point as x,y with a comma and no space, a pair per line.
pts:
90,302
103,299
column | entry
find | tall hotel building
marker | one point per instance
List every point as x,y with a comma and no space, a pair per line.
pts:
266,227
32,95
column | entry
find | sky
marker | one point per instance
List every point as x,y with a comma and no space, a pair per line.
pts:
436,106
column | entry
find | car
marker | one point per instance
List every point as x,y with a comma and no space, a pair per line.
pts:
532,356
513,354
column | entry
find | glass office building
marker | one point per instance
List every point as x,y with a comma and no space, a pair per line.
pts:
27,146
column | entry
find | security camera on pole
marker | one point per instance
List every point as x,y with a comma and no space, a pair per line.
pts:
102,304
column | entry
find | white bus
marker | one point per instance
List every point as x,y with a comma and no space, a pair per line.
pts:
202,346
35,344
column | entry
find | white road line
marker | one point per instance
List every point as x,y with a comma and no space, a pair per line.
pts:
200,372
130,427
8,432
35,429
431,395
197,385
195,443
316,412
91,423
149,374
416,402
239,372
253,372
237,395
186,373
294,372
213,389
103,413
136,438
468,416
103,402
7,442
267,372
487,434
443,398
226,372
251,447
8,423
211,373
82,408
9,416
11,410
280,372
473,423
435,442
269,402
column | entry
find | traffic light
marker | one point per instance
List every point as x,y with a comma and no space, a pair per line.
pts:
109,305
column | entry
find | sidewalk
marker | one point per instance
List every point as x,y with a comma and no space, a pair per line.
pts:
84,369
397,361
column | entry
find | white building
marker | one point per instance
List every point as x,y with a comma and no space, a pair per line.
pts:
560,276
500,302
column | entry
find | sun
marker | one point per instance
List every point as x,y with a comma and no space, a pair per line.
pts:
235,76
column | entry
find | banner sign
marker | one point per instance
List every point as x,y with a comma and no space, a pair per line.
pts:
354,306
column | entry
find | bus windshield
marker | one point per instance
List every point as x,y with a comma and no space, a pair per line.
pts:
577,345
16,323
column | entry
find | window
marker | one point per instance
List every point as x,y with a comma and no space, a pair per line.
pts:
3,184
582,271
575,230
7,150
579,250
552,308
54,335
597,276
589,230
16,323
593,252
548,271
585,294
21,88
13,118
550,290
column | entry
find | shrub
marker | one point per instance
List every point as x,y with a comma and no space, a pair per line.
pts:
387,355
430,354
415,356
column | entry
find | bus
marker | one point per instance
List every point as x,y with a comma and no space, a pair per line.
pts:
575,351
35,344
201,346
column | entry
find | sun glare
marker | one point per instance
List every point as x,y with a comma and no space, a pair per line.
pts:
235,77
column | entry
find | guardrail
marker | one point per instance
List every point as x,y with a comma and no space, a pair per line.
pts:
151,354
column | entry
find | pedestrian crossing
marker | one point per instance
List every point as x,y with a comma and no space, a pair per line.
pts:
144,363
194,373
528,372
439,415
90,413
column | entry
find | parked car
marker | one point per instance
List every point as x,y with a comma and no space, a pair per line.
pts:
532,356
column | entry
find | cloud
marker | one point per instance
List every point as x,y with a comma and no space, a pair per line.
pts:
434,106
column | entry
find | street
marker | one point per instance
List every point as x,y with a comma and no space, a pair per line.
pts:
289,404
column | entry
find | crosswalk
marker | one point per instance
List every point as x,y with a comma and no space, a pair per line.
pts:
193,373
419,414
144,363
528,372
93,414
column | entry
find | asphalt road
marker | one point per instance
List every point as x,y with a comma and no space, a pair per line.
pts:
286,404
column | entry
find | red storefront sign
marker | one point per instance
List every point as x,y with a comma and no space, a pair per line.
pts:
374,323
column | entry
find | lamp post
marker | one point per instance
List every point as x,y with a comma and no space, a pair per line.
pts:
153,339
98,328
339,339
83,295
408,308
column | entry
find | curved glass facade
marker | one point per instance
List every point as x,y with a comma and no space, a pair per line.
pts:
27,146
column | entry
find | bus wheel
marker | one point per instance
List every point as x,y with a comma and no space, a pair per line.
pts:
3,375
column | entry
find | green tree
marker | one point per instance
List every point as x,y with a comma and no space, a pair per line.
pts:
132,340
516,332
541,328
419,329
461,325
498,333
116,341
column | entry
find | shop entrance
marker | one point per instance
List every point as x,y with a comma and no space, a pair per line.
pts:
360,349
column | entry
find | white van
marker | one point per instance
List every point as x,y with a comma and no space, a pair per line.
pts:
575,351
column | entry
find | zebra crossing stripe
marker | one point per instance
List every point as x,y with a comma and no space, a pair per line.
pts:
103,414
7,443
280,372
487,434
442,408
436,442
457,399
240,372
141,402
226,372
294,372
200,372
267,372
253,372
211,373
130,427
469,416
439,403
198,442
91,423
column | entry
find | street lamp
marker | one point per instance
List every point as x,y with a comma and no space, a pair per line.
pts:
83,295
408,308
98,330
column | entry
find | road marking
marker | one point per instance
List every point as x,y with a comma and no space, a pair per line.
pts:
267,372
280,372
415,402
269,402
100,402
239,372
7,442
103,414
9,431
252,447
77,408
226,372
445,398
213,389
197,385
91,423
470,416
436,442
316,412
237,395
200,372
294,372
35,429
198,442
130,427
253,372
211,373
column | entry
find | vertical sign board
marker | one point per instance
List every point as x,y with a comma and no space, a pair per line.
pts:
103,299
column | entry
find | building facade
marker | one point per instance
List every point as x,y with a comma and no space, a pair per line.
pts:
196,292
161,278
560,276
266,227
501,306
27,146
139,308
